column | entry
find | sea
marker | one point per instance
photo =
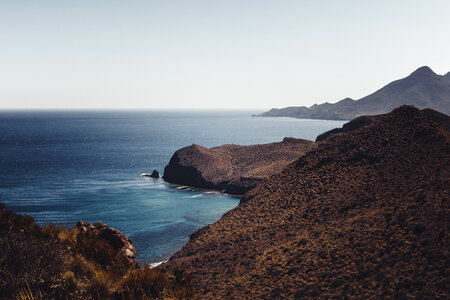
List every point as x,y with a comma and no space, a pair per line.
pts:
64,166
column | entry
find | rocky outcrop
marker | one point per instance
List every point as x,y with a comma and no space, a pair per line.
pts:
155,174
233,169
363,215
120,243
423,88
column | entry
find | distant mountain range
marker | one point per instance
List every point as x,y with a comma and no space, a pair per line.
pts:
423,89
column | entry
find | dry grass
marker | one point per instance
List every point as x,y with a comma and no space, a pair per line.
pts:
54,262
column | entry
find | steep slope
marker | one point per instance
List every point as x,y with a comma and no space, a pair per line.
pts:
364,215
233,169
423,89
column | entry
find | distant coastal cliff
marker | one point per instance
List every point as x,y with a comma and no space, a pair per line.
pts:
423,88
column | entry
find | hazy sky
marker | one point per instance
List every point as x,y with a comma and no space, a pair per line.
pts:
211,53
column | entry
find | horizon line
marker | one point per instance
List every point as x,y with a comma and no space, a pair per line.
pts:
132,109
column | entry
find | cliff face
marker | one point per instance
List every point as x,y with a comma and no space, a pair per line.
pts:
233,169
423,88
364,215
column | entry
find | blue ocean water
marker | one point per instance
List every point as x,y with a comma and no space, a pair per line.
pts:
65,166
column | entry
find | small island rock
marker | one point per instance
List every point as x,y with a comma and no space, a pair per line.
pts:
155,174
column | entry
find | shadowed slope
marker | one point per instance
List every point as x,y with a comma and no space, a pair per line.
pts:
364,215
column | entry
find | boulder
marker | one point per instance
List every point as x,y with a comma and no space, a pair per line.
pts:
115,238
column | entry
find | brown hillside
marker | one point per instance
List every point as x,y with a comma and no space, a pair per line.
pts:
364,215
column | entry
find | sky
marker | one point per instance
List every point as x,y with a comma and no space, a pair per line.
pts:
212,54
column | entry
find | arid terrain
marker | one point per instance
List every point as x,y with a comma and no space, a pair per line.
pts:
364,215
361,214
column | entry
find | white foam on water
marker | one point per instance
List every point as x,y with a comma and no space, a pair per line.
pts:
154,265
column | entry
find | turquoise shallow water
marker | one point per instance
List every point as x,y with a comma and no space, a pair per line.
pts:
61,167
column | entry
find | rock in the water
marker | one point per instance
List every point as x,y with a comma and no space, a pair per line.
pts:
155,174
115,238
233,169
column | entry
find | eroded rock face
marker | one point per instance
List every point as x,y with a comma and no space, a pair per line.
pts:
233,169
115,238
363,215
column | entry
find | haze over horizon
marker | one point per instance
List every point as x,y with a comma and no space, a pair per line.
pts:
212,54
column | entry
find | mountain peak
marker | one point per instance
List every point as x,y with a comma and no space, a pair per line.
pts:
421,72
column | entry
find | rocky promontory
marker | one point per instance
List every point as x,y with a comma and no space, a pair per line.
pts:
363,215
233,169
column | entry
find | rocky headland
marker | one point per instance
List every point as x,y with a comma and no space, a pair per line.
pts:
362,215
232,169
